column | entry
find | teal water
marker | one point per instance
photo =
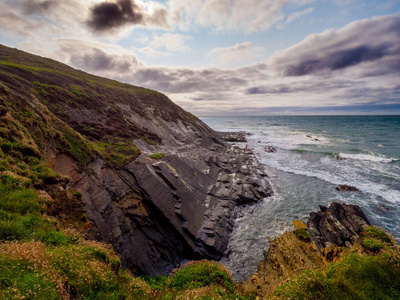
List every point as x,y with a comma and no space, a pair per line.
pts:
304,173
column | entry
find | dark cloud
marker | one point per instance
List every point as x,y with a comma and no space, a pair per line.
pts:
338,60
314,86
258,90
112,15
108,15
360,42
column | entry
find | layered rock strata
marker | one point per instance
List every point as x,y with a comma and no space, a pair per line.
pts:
338,224
158,213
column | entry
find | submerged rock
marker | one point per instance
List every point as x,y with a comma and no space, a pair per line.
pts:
270,149
346,188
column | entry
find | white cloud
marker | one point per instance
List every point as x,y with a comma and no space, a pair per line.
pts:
148,51
171,41
239,54
246,16
299,14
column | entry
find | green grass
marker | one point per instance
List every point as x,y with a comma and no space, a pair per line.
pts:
201,274
21,218
20,201
372,245
356,277
379,234
302,234
117,153
156,156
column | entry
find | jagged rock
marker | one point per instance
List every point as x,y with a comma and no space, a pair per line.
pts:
338,224
238,137
270,149
346,188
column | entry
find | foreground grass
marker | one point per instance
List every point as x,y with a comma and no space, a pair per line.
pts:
40,260
356,277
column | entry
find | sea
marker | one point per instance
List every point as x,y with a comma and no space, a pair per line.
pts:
315,154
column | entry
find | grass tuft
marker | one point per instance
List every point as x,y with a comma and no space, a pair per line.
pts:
302,234
156,156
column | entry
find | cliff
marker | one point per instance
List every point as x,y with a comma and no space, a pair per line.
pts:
155,182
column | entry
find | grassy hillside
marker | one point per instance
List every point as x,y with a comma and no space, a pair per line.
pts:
82,113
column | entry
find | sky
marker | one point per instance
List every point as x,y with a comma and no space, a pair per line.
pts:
226,57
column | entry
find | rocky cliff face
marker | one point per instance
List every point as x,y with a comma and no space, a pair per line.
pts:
100,134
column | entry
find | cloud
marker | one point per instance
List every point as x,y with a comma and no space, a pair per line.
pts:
148,51
299,14
36,6
238,54
369,40
171,41
108,16
12,22
247,16
96,58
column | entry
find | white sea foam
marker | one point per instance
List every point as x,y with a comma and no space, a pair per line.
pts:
304,174
367,157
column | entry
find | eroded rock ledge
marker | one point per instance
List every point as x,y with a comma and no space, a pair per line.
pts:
158,213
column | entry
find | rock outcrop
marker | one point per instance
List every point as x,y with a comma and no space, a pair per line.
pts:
338,224
327,236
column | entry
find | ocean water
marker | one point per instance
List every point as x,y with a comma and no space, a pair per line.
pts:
304,173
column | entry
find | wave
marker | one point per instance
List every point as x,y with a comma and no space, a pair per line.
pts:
335,173
368,157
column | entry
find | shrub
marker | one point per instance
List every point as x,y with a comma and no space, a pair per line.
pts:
372,245
200,274
377,233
